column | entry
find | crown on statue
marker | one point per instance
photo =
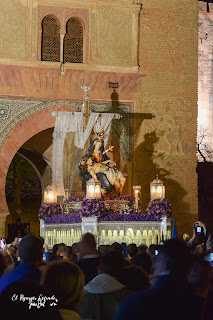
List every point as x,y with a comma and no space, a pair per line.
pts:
100,135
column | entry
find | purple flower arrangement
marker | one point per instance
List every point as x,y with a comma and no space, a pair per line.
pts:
159,208
52,213
64,218
48,210
92,207
76,218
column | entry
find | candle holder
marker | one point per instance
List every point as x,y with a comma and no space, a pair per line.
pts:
137,191
93,190
66,194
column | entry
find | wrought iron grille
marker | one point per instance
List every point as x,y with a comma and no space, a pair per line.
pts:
73,41
50,42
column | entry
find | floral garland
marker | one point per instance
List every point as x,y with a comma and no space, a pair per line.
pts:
76,218
80,198
128,217
92,207
48,210
159,208
52,213
64,218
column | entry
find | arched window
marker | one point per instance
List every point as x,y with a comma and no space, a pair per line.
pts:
50,40
73,41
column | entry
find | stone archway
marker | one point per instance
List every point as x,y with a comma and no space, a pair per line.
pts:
22,132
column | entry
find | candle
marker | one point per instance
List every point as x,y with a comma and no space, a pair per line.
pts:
159,192
136,193
153,192
50,196
97,191
91,191
136,198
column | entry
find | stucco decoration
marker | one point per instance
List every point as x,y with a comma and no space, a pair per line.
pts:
111,36
5,112
13,111
93,32
14,26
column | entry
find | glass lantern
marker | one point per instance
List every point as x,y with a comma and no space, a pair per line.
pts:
157,189
93,190
49,196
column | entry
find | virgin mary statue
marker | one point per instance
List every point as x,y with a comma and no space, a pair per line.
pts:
96,165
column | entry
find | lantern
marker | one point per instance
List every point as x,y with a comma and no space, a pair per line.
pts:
137,190
93,190
157,189
49,196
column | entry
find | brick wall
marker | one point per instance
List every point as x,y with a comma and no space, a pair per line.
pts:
168,58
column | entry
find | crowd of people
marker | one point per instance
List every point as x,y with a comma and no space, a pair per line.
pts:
172,280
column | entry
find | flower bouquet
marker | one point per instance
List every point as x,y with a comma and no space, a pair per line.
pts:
159,208
92,207
48,210
64,218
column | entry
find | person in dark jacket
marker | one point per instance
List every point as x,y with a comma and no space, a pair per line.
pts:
89,257
201,242
169,297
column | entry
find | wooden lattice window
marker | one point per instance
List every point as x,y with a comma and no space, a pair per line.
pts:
73,41
50,41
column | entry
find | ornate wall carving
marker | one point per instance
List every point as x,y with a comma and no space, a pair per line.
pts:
14,26
111,36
